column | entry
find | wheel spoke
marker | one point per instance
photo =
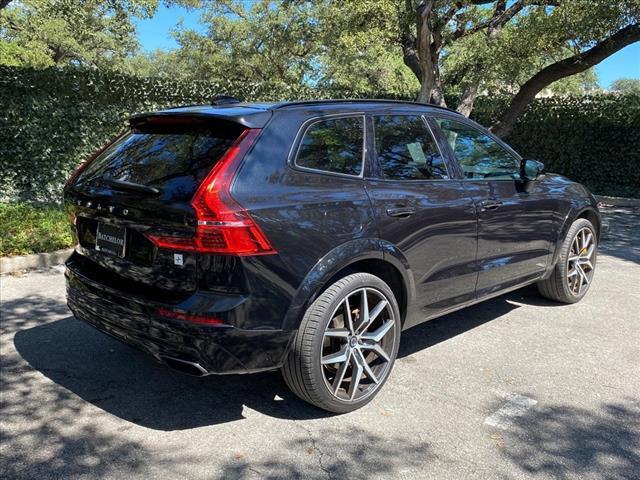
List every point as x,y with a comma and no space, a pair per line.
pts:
337,381
348,316
575,245
337,332
336,357
376,348
356,373
580,279
364,307
367,368
379,333
584,276
374,314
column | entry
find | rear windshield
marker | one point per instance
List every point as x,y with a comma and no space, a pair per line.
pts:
172,157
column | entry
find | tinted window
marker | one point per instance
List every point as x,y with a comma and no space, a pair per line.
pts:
478,154
333,145
406,150
173,158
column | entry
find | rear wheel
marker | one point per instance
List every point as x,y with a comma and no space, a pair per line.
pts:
346,345
573,273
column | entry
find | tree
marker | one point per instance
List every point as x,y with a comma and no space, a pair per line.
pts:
626,85
96,33
569,36
295,43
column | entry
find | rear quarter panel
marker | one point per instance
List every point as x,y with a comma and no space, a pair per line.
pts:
305,215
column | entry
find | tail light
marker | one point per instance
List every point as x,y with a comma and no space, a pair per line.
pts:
91,158
223,225
189,317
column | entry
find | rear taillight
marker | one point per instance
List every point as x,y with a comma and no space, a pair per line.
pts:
189,317
86,163
223,226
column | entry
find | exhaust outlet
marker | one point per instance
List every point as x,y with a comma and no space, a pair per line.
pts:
185,366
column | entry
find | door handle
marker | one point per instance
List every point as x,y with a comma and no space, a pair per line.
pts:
490,204
401,211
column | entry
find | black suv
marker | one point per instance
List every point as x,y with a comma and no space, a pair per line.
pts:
305,236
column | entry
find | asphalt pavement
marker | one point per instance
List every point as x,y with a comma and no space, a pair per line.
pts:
516,387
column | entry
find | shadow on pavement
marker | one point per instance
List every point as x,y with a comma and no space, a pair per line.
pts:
352,454
132,386
623,238
557,441
448,326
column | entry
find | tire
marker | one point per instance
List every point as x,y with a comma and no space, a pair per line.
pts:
325,335
561,285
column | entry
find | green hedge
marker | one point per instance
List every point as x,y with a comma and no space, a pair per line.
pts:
50,120
594,140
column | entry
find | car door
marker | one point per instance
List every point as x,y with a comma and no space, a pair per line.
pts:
515,220
423,212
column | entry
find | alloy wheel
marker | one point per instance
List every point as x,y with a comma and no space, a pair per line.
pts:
581,261
358,345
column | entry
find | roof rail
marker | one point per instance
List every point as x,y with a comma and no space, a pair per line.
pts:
224,100
359,100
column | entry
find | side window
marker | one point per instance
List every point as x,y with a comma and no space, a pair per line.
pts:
333,145
406,150
477,153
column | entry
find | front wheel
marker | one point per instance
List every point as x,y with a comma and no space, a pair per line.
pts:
346,345
573,273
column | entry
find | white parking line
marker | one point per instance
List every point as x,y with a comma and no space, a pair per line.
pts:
515,406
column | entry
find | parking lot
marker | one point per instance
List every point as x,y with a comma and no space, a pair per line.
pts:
516,387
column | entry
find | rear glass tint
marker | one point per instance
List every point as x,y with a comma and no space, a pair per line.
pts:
174,158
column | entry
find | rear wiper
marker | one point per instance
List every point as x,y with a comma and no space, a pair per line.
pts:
135,187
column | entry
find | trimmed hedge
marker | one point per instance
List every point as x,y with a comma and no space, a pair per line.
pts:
50,120
594,140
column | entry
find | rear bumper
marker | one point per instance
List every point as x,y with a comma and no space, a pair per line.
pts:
217,349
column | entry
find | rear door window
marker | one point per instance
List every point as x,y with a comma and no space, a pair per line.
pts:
174,158
333,145
406,150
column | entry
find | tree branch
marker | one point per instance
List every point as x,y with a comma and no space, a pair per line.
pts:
501,15
561,69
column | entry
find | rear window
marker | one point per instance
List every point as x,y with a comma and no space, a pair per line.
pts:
172,157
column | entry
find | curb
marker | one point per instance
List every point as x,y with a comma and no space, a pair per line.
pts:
618,201
33,261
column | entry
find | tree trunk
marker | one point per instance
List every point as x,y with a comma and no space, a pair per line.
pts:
425,56
466,101
561,69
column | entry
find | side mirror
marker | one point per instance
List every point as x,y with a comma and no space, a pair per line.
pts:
531,170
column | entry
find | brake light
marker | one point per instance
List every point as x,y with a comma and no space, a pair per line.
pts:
188,317
91,158
223,225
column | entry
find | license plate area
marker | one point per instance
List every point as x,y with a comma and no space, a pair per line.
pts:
111,239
